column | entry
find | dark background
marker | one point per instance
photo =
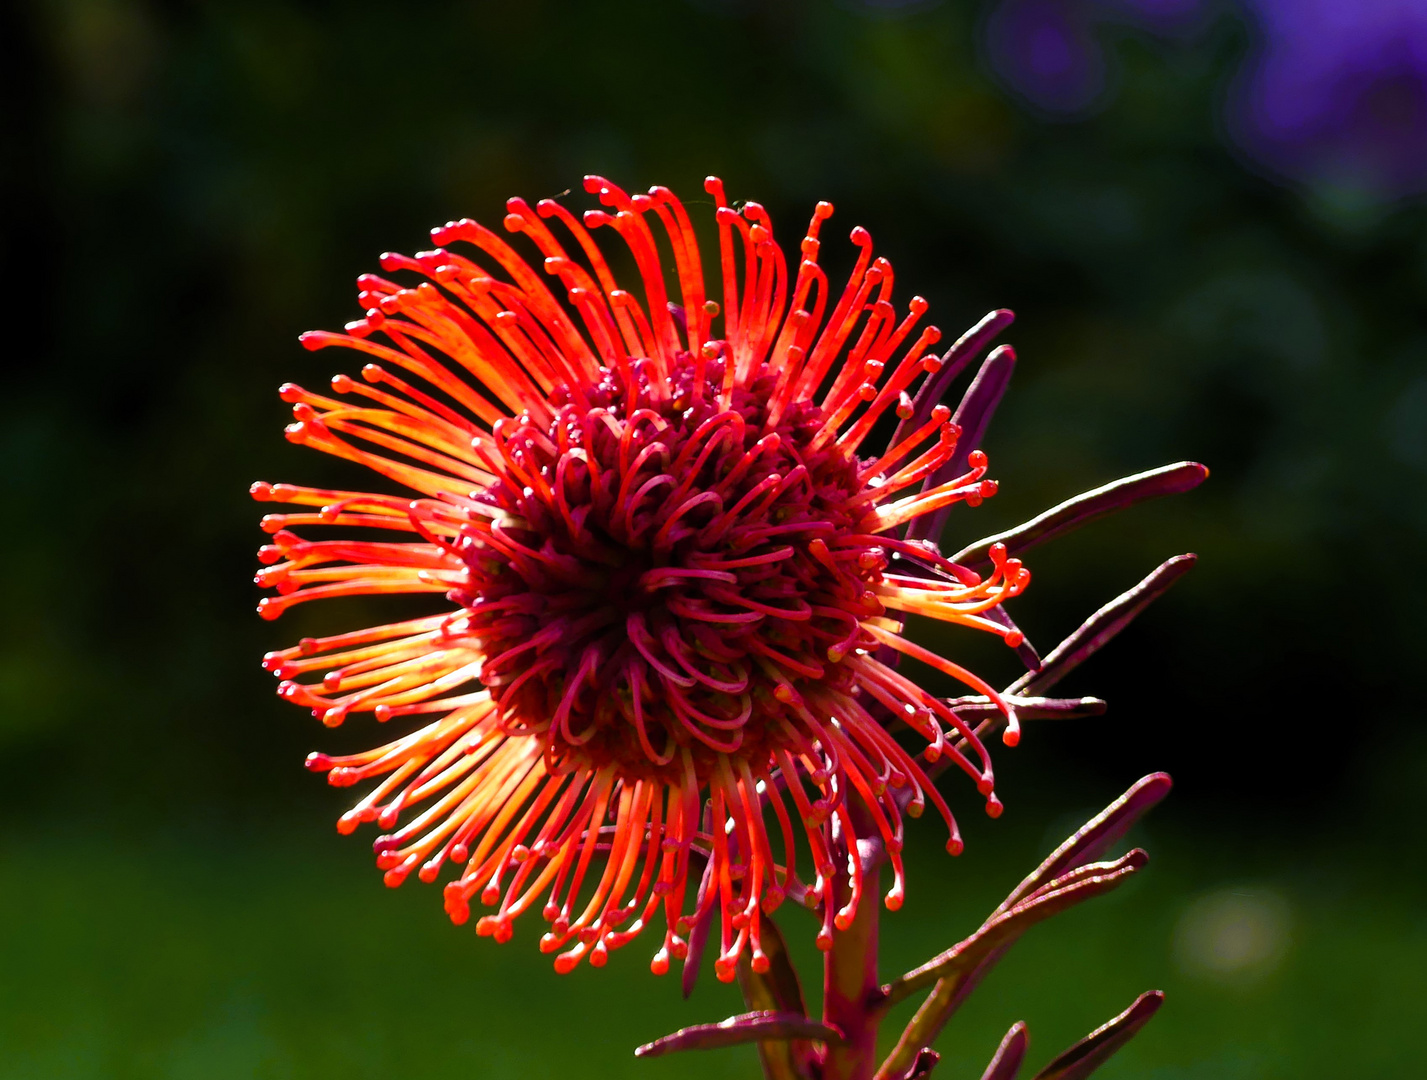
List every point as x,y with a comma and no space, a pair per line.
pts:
186,187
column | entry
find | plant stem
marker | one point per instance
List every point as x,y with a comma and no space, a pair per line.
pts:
850,981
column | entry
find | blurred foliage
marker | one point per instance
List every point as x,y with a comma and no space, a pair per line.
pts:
278,957
188,185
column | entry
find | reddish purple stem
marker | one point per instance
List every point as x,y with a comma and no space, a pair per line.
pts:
850,982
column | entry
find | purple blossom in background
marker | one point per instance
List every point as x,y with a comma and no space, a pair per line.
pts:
1336,94
1046,51
1050,53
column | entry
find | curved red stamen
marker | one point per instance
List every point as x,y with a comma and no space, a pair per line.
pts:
669,565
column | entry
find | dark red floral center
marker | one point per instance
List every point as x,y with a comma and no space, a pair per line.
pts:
671,572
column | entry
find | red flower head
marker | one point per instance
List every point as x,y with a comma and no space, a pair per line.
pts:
674,569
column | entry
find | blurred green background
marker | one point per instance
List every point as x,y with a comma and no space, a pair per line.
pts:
187,186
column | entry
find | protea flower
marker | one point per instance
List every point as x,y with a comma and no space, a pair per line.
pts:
675,568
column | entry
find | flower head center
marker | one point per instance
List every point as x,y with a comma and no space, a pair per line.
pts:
665,575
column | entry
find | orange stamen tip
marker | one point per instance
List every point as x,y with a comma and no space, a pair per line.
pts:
567,962
539,443
1011,737
1015,638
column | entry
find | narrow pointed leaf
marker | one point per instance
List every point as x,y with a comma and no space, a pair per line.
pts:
961,968
744,1028
922,1067
778,991
946,997
698,934
1095,837
953,363
1007,1060
1056,877
1025,650
987,718
1095,1049
976,709
1101,627
1009,922
1084,508
973,416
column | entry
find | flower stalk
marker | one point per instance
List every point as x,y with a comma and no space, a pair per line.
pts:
852,990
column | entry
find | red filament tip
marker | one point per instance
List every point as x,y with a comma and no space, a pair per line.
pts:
665,574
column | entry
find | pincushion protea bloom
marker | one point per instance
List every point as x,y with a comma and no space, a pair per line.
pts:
676,570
